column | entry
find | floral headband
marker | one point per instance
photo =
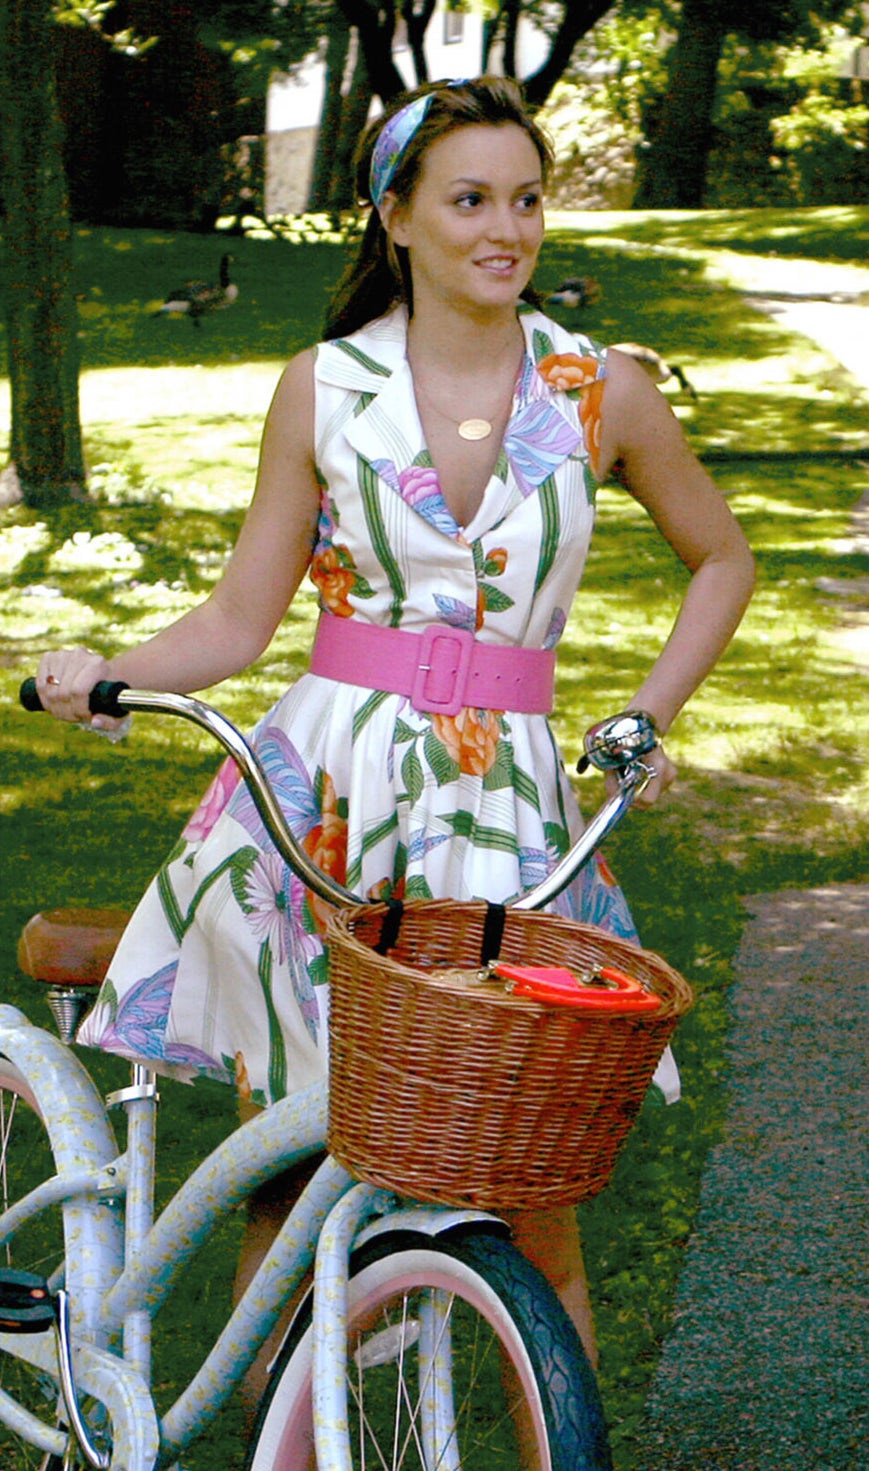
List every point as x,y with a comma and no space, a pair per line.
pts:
392,140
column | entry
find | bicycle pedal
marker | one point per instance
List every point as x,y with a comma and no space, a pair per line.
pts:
26,1303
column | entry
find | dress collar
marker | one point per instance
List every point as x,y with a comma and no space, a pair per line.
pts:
542,432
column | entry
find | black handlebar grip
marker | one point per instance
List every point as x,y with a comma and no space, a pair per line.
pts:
102,700
28,696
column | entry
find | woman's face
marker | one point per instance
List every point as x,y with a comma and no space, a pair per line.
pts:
474,225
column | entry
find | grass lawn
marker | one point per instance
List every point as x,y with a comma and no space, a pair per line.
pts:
772,752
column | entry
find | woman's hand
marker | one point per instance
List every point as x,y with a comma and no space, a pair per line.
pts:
665,775
64,681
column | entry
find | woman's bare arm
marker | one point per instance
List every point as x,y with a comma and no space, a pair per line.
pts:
643,441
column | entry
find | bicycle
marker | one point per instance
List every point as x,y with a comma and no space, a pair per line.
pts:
395,1357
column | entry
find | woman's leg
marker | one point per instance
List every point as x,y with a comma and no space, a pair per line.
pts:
550,1240
267,1209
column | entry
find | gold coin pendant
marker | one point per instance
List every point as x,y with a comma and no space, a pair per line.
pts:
475,429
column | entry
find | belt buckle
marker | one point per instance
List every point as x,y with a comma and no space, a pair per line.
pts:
441,676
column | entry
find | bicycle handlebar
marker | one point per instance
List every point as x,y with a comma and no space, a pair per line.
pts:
617,744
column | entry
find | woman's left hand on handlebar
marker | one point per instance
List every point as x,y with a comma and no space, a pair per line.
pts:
64,681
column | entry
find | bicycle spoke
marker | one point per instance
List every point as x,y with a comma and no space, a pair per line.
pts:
392,1343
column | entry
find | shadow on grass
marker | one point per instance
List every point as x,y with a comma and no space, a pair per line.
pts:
664,301
155,544
761,388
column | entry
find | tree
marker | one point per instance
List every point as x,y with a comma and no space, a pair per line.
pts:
416,18
154,127
46,452
46,455
375,26
335,55
576,20
341,120
375,72
680,125
167,119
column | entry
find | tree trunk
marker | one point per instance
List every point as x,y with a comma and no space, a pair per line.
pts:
375,25
41,315
673,170
416,20
511,31
357,105
337,49
578,18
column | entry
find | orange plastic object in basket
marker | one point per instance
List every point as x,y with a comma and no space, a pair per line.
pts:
606,989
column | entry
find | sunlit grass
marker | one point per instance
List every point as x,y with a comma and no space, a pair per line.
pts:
772,752
835,233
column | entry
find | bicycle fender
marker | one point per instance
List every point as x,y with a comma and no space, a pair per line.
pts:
428,1220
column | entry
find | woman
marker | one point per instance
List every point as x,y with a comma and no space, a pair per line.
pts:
432,464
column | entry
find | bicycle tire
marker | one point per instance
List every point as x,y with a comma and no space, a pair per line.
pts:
506,1298
25,1145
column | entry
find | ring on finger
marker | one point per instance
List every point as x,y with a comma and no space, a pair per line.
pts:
52,679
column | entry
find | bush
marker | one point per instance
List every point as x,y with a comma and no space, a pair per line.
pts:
823,148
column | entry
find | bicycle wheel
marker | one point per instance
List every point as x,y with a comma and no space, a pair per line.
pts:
460,1358
25,1159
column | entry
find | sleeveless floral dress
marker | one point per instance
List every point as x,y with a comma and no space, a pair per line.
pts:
222,969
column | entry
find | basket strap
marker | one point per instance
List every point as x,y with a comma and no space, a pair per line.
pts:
493,929
493,932
390,927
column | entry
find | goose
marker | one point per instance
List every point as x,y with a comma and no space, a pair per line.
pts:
658,369
577,293
197,299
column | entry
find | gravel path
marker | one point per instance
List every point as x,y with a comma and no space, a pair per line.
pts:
767,1366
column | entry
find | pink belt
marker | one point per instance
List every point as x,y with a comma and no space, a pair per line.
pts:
441,670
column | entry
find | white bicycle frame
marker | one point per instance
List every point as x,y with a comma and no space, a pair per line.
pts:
121,1264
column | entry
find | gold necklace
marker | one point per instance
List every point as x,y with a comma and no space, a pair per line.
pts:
470,429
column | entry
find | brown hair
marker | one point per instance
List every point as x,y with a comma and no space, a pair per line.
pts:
379,277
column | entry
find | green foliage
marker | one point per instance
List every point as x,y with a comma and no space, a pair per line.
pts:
94,15
787,128
635,70
823,137
616,70
773,790
788,125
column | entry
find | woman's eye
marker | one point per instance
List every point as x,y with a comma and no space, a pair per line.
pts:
469,200
529,201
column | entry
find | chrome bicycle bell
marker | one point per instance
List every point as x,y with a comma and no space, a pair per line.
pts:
613,744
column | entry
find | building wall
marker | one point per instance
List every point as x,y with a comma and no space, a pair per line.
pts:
289,161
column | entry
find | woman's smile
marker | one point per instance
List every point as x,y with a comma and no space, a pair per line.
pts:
501,265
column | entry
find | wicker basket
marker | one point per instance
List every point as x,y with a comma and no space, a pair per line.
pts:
445,1089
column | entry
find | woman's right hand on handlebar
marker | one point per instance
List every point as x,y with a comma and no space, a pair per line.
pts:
64,681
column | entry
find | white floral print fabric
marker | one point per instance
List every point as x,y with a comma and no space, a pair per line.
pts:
222,970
